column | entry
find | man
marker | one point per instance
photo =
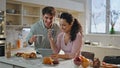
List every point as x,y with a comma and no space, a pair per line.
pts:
41,28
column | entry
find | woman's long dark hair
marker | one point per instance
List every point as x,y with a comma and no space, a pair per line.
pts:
76,27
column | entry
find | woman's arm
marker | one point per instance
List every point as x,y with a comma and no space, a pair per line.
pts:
77,45
75,51
62,56
107,65
54,46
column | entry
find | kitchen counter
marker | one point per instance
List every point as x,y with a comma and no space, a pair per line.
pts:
101,46
19,62
102,51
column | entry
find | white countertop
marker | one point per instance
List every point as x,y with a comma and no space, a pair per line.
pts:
34,63
101,46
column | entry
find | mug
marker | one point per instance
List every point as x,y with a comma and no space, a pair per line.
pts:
39,39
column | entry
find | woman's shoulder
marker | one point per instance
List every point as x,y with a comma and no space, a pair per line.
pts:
79,34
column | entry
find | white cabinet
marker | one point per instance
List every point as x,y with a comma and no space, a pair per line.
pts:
26,14
3,65
31,14
13,13
18,13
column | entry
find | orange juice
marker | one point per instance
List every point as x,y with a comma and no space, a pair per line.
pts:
18,43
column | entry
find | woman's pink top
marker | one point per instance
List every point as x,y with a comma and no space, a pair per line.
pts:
72,48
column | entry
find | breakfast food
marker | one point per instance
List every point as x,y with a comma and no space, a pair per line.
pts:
85,62
81,60
29,55
77,61
19,54
26,55
50,61
55,62
47,60
96,63
33,55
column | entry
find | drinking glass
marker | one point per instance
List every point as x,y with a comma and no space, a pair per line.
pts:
39,39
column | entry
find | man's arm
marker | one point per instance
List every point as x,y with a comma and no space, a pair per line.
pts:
29,37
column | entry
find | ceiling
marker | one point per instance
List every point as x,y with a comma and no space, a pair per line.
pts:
78,0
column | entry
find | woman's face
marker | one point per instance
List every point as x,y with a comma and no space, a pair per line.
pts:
65,27
48,19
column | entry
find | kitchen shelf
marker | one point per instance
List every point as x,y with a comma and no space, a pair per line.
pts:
13,20
26,14
13,13
20,13
28,9
13,7
33,16
28,21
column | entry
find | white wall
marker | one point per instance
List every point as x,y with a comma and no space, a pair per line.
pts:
59,4
3,5
105,40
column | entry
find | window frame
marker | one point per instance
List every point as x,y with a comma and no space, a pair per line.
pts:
107,27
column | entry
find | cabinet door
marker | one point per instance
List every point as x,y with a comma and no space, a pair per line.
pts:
31,14
3,65
13,13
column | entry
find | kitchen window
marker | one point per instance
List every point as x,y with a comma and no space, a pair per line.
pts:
101,17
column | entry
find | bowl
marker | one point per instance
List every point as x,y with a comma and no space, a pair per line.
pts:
45,52
10,11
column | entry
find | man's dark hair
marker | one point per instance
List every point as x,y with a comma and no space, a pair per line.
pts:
49,10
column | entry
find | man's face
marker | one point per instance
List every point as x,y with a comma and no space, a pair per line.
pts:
48,19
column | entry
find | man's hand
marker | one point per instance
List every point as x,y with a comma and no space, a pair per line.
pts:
32,39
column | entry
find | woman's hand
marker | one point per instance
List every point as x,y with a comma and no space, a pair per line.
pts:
107,65
50,34
54,56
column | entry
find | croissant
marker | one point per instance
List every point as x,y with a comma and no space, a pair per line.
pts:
47,60
85,62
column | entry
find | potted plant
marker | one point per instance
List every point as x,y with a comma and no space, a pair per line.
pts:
114,16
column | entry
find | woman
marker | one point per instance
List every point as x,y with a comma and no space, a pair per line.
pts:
69,40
